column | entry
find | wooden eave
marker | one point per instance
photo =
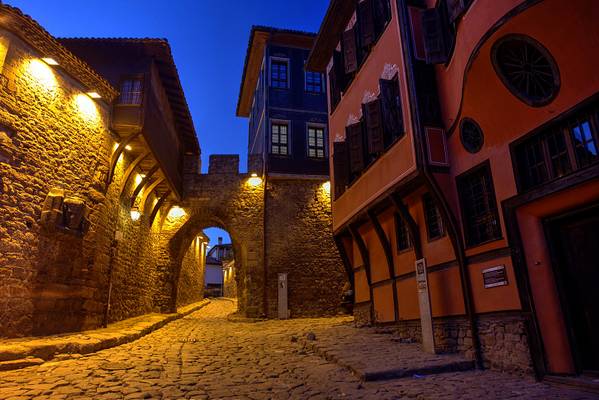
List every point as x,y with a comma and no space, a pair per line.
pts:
336,19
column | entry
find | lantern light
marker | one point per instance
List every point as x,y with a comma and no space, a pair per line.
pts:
49,61
254,180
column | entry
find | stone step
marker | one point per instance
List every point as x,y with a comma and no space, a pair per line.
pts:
372,355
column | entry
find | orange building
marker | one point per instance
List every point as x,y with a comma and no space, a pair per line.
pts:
465,134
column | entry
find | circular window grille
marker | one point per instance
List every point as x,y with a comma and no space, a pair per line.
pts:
471,135
527,69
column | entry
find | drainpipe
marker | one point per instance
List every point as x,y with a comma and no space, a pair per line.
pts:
431,183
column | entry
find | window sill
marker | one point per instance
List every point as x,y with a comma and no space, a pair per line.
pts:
436,238
404,251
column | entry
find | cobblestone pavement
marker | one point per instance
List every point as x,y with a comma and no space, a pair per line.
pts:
205,356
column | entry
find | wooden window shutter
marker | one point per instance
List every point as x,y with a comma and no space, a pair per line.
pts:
435,41
391,110
366,24
355,142
382,15
374,126
350,54
340,167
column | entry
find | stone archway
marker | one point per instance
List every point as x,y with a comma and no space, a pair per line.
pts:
230,202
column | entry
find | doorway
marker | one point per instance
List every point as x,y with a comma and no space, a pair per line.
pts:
574,241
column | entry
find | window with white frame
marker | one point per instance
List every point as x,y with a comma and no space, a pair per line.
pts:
314,82
279,73
279,138
316,142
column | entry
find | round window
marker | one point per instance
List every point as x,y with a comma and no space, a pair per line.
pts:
471,135
527,69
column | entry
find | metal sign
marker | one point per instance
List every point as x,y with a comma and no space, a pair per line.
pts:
282,294
493,277
424,302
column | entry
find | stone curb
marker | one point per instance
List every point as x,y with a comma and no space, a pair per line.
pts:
387,374
26,352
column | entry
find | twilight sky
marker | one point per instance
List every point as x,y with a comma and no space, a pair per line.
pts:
208,38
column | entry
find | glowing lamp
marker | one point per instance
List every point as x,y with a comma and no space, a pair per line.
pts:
327,187
50,61
139,178
135,214
176,212
94,95
254,180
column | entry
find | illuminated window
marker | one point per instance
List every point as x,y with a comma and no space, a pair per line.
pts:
434,223
279,73
313,82
131,91
279,142
316,144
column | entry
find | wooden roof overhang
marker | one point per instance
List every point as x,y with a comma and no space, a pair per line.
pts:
259,37
335,20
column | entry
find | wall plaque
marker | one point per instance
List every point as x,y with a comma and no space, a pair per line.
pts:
495,276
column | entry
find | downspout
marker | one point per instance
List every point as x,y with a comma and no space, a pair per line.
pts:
431,183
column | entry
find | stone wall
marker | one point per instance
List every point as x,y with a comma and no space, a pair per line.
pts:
299,242
191,281
58,138
503,339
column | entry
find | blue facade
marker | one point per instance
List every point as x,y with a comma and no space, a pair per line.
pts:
288,117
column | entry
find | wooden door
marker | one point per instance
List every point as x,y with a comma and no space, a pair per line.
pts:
575,244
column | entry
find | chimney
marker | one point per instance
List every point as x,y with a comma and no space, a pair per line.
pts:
220,240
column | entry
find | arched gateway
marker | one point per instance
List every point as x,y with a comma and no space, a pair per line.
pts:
232,202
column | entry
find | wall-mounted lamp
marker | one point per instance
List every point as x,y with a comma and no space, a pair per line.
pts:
94,95
327,187
254,180
135,214
176,212
49,61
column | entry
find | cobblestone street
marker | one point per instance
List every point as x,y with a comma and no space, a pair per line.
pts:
207,356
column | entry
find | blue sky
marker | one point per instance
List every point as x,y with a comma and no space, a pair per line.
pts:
208,38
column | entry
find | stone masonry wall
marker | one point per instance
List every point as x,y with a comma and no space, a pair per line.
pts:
54,137
503,339
57,137
191,281
299,241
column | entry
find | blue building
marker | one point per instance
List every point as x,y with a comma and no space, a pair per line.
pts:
286,104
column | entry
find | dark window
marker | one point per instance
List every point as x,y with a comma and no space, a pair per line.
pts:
531,162
313,82
585,144
391,110
340,167
432,216
558,153
471,135
279,74
479,207
526,68
279,142
402,234
131,91
557,150
316,146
